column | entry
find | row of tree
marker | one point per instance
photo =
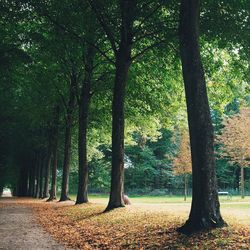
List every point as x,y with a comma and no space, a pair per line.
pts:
59,62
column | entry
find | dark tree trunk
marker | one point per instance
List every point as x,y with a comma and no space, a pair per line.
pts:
52,193
35,176
205,210
41,179
82,194
122,64
32,181
66,161
38,179
23,181
68,135
47,174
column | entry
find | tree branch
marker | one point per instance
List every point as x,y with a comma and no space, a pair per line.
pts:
104,25
139,54
66,30
146,18
61,96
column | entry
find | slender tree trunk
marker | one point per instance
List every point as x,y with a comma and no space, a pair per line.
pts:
47,174
38,179
68,135
122,64
66,161
23,181
41,179
242,182
52,192
35,178
32,181
82,194
205,210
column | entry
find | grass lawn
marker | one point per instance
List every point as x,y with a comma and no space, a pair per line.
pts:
103,198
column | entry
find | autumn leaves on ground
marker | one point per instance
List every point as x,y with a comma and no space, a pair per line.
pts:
139,226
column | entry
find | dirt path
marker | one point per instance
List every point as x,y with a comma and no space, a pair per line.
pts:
18,229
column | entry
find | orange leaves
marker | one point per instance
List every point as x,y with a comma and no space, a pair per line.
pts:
183,163
134,227
236,137
139,226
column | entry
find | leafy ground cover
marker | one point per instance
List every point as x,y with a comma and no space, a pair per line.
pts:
140,226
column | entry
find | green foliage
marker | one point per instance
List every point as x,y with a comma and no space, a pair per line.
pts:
42,43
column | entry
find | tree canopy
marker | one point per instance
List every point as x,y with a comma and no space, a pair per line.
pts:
92,96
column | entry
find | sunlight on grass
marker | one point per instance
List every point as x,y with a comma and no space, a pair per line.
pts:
102,198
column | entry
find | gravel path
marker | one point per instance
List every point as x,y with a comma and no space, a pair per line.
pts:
18,230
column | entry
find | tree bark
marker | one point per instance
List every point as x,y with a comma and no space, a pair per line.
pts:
82,194
35,176
47,173
39,166
205,209
41,179
29,181
122,64
68,135
23,181
52,191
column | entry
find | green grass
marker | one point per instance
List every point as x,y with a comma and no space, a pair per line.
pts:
103,198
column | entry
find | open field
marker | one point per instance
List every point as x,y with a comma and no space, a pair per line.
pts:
103,198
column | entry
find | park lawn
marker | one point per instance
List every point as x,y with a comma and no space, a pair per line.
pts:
103,198
143,225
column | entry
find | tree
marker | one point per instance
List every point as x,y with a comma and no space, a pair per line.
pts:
84,103
235,141
54,153
205,209
122,43
69,111
182,164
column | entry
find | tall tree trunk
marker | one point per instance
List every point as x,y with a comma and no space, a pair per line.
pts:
117,172
205,209
66,161
23,181
82,194
68,135
35,176
242,182
34,181
47,173
30,181
41,179
38,179
122,64
52,192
